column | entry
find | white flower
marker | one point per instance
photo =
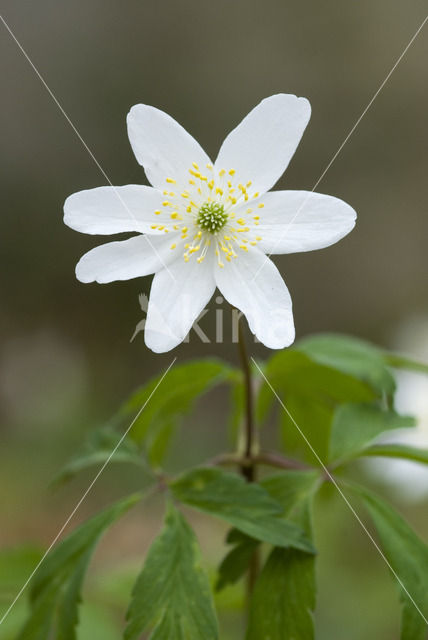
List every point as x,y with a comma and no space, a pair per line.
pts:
204,225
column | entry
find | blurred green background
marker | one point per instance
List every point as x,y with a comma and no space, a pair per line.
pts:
66,362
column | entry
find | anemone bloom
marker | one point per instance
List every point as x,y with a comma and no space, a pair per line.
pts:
204,225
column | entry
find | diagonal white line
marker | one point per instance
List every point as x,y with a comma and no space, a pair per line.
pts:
58,535
334,482
46,86
397,62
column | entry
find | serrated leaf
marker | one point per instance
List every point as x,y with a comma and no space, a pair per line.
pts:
397,451
284,596
97,449
310,391
235,563
40,620
283,599
355,426
351,355
68,615
55,588
408,557
291,489
183,385
172,596
246,506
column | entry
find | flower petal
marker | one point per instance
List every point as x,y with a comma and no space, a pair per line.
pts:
106,210
126,259
260,148
253,284
293,221
175,303
162,146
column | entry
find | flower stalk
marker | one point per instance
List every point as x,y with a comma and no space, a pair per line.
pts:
248,469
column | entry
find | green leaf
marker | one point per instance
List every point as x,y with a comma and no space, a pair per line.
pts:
351,355
408,557
292,490
397,451
174,398
97,449
284,596
297,374
40,621
55,589
236,561
357,425
68,615
401,362
172,595
246,506
310,392
157,444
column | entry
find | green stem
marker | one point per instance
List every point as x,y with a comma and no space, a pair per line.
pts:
248,470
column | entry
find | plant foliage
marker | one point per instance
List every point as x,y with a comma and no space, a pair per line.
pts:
339,391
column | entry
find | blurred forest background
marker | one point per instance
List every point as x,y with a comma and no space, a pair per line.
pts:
66,361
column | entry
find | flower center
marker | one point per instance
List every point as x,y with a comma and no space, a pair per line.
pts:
211,217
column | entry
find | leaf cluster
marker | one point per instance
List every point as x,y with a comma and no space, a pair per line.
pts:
339,393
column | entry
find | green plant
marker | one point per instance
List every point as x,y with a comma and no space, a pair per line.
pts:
329,396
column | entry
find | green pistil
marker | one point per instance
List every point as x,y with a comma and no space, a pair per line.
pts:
211,217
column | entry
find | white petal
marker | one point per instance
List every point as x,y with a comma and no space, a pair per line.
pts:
260,148
106,210
293,221
126,259
253,284
175,304
162,146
